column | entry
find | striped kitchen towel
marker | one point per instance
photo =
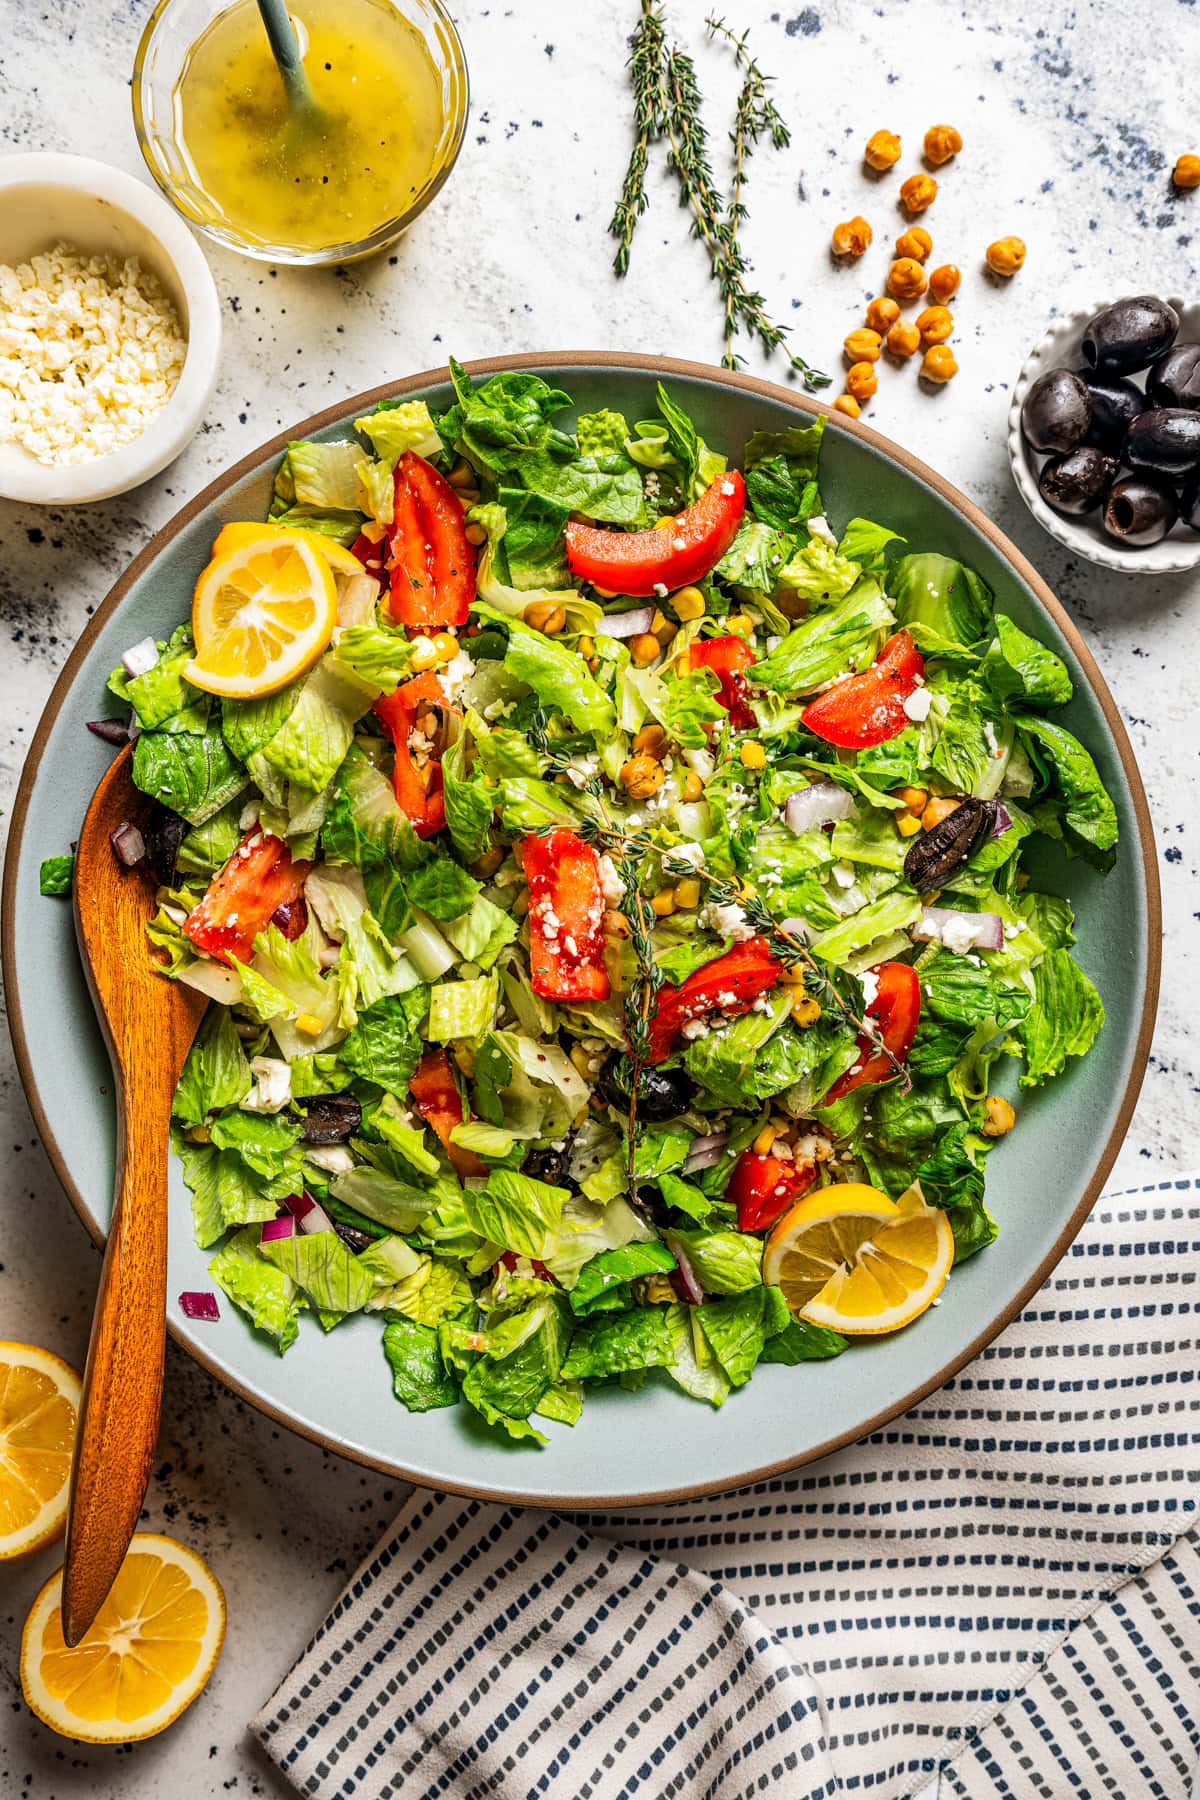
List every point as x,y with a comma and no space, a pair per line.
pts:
996,1595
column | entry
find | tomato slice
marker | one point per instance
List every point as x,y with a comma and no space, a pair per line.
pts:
896,1009
730,983
436,1097
370,554
566,918
868,709
418,789
258,879
763,1187
432,564
727,657
655,562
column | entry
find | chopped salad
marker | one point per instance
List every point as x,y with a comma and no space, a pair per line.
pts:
610,886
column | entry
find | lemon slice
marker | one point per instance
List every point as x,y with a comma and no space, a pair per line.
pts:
148,1655
39,1405
848,1257
237,534
261,615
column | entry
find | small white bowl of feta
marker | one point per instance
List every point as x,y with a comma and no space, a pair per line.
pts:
110,331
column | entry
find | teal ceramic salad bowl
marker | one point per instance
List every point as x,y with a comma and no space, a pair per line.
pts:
654,1445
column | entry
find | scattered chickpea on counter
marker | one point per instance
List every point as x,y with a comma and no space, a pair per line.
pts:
1186,173
938,364
1005,256
882,314
944,282
903,340
861,381
862,345
998,1116
906,279
918,192
941,143
852,237
847,404
882,151
935,325
915,242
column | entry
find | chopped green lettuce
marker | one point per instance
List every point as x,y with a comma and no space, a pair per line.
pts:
216,1072
830,642
399,426
737,1329
516,1211
616,1343
420,1380
935,591
1064,1020
55,875
267,1295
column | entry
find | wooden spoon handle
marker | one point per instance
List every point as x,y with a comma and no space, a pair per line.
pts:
122,1387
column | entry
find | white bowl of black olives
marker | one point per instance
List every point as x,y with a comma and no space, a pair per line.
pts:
1104,434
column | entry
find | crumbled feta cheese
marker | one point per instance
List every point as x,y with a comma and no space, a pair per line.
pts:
870,986
91,348
248,815
611,885
688,853
661,590
958,933
819,526
335,1159
700,762
455,674
580,770
679,543
843,874
773,643
141,657
728,919
696,1028
1012,929
918,703
990,739
728,489
272,1085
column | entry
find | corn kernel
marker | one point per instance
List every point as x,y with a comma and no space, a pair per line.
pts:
446,645
806,1010
688,603
424,654
663,903
753,755
687,893
663,628
907,824
846,403
587,647
740,622
666,523
309,1024
795,976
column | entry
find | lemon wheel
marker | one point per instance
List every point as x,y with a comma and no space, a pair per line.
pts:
850,1258
39,1408
239,533
262,614
148,1655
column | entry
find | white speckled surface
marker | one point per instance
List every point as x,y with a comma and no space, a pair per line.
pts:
514,257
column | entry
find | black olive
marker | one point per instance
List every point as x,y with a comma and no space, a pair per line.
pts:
1165,439
1189,505
662,1093
1129,335
1077,482
547,1164
330,1118
163,832
1057,411
1140,510
1175,381
352,1237
938,854
1116,403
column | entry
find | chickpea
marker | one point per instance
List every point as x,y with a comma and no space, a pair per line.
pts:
903,339
485,866
861,381
882,151
938,364
935,324
998,1116
1005,256
693,787
644,648
906,279
862,345
642,775
918,193
545,616
852,237
941,143
846,403
651,740
881,313
944,283
916,799
939,808
915,242
615,924
462,475
1186,173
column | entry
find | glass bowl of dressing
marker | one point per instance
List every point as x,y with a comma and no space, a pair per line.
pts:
389,79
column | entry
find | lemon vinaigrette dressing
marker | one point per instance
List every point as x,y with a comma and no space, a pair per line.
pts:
300,183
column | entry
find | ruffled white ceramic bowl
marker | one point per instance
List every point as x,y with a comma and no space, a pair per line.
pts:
1086,537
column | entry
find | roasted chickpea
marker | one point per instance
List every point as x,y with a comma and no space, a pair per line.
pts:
846,403
938,364
906,279
881,313
915,242
642,776
944,283
935,325
862,345
1186,173
882,151
918,193
941,143
861,380
903,339
1005,256
852,237
998,1116
545,616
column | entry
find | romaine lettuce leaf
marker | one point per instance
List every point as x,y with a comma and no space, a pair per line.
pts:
1017,668
334,1279
587,1228
604,1282
461,1009
441,888
400,426
1064,1020
524,1359
891,912
216,1072
470,802
781,474
383,1046
365,825
516,1211
738,1328
725,1262
1089,815
531,553
928,589
320,476
268,1296
865,543
419,1377
379,656
555,673
966,991
498,423
755,557
161,697
702,1378
801,1342
400,1205
818,573
829,642
481,933
55,875
615,1343
193,774
311,743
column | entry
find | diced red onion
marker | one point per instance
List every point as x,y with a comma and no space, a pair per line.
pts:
705,1151
111,730
291,916
308,1215
963,930
200,1304
684,1278
821,804
129,845
1003,820
278,1228
141,657
626,624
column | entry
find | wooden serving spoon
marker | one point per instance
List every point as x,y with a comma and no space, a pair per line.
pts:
148,1024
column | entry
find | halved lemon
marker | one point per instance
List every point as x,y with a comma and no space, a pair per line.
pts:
148,1655
39,1406
261,615
236,534
848,1257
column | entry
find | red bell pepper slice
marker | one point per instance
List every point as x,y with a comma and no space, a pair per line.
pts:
432,564
763,1187
436,1097
566,918
896,1009
508,1262
868,709
730,983
655,562
370,554
259,878
727,657
419,791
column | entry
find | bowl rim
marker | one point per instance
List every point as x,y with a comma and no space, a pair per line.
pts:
359,404
1172,557
176,423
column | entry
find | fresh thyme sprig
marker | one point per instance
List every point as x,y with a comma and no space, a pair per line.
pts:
755,114
646,62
